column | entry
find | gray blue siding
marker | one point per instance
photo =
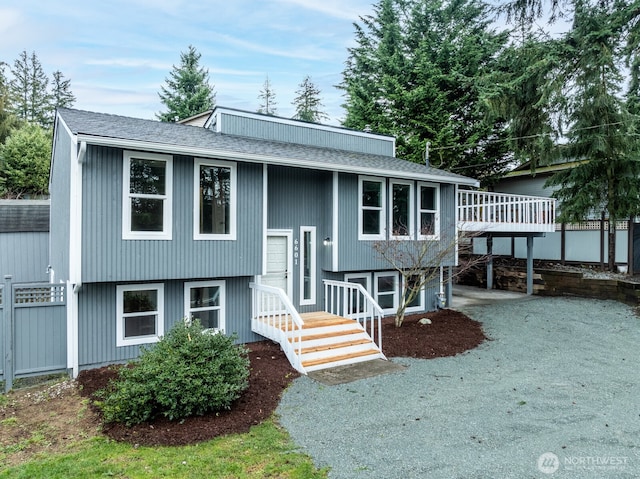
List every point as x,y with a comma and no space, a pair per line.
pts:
525,185
97,318
358,255
60,203
24,256
310,134
107,257
296,198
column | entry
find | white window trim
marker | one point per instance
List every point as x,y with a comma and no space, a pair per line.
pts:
312,267
419,211
383,208
396,293
232,199
221,308
120,315
421,294
167,209
410,215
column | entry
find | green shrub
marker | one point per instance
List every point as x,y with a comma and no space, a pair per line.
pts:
187,373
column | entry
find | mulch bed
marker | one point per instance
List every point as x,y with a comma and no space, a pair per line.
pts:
450,333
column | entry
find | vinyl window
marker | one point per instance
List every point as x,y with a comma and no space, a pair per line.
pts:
372,201
205,300
140,314
147,196
428,211
214,200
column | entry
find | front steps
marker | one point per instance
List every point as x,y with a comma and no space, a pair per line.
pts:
329,341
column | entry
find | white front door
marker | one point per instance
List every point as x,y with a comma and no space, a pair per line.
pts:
278,271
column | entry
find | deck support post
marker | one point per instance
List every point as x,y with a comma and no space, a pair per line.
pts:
489,262
529,265
449,286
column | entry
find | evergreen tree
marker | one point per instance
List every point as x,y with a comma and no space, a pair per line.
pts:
61,95
8,121
30,99
608,176
24,162
308,104
420,72
187,91
601,126
267,99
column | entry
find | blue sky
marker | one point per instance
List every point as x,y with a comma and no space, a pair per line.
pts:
118,53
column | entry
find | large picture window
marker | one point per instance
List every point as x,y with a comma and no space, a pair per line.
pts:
371,217
215,200
147,196
205,300
401,210
140,314
428,211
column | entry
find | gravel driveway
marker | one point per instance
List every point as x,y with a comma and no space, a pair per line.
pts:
554,394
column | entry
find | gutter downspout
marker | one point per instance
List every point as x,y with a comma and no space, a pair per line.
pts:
76,272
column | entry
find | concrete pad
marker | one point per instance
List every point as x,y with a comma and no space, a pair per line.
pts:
353,372
464,296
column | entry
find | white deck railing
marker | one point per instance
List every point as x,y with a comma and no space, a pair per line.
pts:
501,212
351,300
274,316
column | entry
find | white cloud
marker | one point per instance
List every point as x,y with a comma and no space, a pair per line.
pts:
129,63
333,8
9,17
303,53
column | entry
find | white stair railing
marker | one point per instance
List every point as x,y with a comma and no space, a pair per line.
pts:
487,211
351,300
274,316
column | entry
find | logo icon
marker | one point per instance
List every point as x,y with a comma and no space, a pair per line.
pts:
548,463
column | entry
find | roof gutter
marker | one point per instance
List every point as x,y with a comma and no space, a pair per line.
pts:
272,160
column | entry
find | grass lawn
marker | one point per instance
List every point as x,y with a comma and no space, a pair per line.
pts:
265,451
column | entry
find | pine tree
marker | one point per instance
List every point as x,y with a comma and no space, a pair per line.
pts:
267,99
8,121
61,95
607,178
187,91
420,72
30,99
308,104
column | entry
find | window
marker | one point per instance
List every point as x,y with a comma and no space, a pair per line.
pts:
147,196
308,265
386,291
418,302
140,310
357,304
401,221
205,300
214,200
428,211
371,218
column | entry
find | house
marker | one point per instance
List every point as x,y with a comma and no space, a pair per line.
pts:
233,219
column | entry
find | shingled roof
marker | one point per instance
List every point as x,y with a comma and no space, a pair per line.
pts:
115,130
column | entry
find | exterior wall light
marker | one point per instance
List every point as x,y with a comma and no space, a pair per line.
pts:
326,241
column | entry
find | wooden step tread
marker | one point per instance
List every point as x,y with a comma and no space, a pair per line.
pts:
332,334
319,323
328,347
316,362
